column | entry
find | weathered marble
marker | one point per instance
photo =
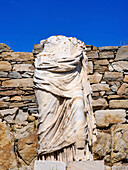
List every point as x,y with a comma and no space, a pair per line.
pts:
63,96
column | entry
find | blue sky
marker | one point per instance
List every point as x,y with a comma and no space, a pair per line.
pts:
24,23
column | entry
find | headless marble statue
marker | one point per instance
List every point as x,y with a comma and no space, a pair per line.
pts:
66,121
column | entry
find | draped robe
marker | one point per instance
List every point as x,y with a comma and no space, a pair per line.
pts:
64,96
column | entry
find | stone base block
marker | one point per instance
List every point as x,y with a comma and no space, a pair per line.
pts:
75,165
49,165
85,165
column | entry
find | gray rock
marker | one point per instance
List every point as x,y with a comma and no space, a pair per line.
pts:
104,118
105,54
8,115
123,167
102,146
120,66
119,149
113,76
27,75
122,53
23,67
3,74
108,48
24,131
14,75
21,117
90,67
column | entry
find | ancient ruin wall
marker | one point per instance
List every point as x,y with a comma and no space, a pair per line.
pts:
108,74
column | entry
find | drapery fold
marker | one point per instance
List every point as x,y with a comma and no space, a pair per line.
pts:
64,95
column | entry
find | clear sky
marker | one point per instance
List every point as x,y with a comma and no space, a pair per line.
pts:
24,23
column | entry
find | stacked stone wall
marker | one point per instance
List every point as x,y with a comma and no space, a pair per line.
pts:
108,74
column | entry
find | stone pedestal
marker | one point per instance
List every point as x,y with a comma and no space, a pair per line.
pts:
75,165
49,165
85,165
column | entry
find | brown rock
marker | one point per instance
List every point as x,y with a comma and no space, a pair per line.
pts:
99,68
122,53
95,78
113,76
28,82
23,67
100,87
119,142
106,54
105,118
17,56
101,62
92,54
31,118
27,147
19,104
5,66
37,49
99,103
4,104
123,90
114,97
102,146
16,98
7,156
94,48
11,92
126,78
4,48
118,104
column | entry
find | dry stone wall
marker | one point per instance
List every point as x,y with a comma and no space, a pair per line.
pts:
108,74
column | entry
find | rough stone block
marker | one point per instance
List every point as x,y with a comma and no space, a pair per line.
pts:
99,103
101,148
126,78
122,53
118,104
113,76
106,117
120,168
92,54
95,78
49,165
17,56
23,67
108,48
105,54
28,82
87,165
120,66
119,143
100,87
123,90
5,66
